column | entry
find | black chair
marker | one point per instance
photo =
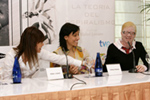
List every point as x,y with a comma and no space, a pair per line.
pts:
2,55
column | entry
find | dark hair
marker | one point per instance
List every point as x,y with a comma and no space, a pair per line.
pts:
66,29
27,46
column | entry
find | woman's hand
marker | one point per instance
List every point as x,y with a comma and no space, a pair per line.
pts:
140,68
74,69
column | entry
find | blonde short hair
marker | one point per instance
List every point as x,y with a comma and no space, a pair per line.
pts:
128,24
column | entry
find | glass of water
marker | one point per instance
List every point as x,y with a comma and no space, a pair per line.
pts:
89,61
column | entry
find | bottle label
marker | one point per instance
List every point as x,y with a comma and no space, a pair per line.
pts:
98,72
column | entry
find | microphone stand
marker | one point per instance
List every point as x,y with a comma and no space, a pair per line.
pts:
132,70
67,75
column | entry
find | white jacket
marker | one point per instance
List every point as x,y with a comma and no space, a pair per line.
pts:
25,69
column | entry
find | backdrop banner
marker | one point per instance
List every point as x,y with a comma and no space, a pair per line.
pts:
96,19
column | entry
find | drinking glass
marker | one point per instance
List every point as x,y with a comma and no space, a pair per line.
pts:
148,61
89,61
2,82
1,75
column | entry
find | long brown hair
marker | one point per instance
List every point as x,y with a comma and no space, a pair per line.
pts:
27,46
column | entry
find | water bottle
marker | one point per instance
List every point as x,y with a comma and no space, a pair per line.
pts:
98,66
16,73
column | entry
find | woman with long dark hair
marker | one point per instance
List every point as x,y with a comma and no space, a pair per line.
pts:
29,51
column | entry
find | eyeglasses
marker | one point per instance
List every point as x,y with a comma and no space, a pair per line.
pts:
126,33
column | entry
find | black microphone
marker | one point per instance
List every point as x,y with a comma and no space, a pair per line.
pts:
67,75
132,70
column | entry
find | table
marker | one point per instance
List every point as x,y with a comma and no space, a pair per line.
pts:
128,86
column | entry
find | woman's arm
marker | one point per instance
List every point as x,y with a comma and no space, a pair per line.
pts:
58,59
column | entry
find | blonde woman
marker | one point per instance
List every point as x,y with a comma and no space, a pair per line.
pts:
120,51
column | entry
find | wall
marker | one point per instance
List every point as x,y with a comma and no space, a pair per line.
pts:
95,18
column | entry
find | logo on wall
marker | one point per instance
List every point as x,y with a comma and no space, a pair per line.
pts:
104,43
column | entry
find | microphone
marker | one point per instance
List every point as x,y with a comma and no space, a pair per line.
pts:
67,75
132,70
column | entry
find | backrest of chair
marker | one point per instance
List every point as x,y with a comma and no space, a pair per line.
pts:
3,51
